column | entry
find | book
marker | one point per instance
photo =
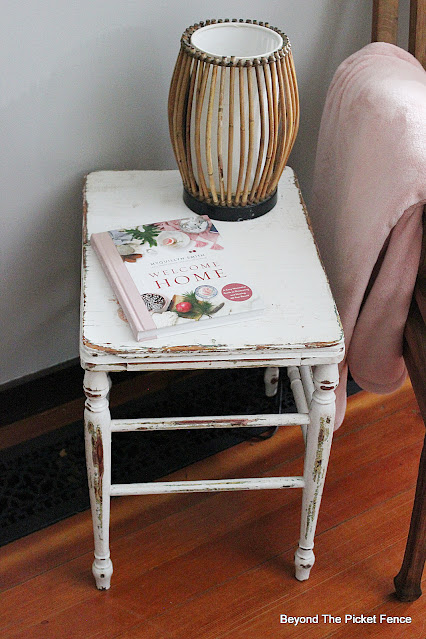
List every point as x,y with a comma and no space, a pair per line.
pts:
174,276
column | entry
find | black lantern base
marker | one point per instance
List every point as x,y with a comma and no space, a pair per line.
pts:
230,213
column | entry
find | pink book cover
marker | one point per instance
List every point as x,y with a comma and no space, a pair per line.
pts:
173,276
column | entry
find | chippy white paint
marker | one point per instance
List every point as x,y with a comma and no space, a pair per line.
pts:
300,330
276,253
225,421
298,391
97,422
207,486
317,451
271,380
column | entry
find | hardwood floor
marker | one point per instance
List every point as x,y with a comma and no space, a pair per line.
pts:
210,566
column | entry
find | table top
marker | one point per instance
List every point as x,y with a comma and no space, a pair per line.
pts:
299,324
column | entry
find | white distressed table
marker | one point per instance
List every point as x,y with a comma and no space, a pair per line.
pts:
299,329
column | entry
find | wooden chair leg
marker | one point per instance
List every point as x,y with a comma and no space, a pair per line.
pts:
271,378
318,445
97,423
407,582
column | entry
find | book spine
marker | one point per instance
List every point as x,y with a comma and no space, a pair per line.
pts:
124,287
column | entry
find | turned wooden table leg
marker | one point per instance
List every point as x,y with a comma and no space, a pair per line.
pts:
97,423
318,445
407,582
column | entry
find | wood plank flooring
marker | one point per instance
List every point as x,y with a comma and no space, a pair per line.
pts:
216,566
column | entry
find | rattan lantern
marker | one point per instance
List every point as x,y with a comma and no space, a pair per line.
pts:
233,116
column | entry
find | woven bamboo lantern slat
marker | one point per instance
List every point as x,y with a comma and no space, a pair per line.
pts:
233,116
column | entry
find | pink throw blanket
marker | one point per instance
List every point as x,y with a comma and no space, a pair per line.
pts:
368,196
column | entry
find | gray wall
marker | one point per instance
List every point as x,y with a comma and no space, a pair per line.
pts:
84,87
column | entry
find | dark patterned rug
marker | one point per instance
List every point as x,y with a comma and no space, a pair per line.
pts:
44,480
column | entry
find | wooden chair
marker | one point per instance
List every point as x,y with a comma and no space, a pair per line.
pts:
299,330
407,582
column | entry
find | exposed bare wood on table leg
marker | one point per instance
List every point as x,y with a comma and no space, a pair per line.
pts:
97,423
318,445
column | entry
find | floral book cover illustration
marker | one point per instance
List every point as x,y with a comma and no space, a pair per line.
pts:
174,276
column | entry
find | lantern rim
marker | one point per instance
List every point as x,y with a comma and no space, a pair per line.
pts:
191,48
